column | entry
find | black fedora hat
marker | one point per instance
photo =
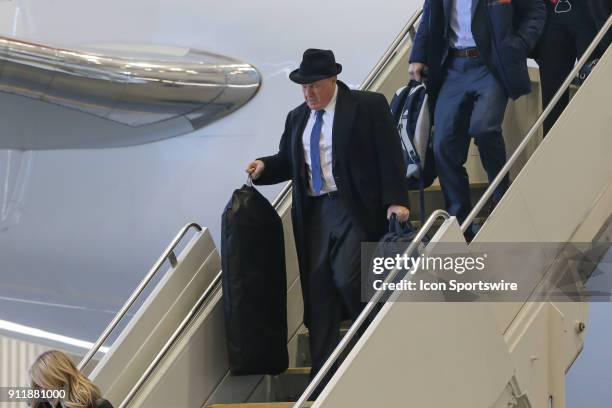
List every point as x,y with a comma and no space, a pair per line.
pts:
316,64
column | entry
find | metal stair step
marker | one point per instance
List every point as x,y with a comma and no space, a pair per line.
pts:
434,199
303,348
282,388
289,385
296,371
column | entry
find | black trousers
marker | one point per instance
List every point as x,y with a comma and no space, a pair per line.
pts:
565,38
333,259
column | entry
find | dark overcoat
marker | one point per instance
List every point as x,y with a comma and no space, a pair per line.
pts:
367,164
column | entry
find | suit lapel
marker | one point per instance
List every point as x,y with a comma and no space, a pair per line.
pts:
299,124
447,12
343,121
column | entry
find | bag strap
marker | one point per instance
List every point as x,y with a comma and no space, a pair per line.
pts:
403,130
408,108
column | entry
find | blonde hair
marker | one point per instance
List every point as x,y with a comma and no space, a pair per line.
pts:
54,370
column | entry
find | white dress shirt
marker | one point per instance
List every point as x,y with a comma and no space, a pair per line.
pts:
325,146
461,24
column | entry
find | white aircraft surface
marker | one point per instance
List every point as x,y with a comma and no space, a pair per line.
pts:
80,227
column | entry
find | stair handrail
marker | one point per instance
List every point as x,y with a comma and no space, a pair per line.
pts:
365,313
169,255
536,126
378,295
203,299
391,51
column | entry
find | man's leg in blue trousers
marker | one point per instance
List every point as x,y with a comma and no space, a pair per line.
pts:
451,139
490,102
471,103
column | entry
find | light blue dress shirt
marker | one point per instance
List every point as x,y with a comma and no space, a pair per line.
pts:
461,24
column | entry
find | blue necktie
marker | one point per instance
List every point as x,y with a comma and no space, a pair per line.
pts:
315,154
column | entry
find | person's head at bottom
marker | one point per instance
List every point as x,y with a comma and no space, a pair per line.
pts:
56,374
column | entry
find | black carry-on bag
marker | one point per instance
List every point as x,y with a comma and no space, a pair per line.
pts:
393,243
254,285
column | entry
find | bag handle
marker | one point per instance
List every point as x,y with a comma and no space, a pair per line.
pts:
397,227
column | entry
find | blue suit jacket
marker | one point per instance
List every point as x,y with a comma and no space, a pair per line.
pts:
504,31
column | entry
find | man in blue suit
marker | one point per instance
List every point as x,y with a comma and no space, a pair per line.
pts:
474,53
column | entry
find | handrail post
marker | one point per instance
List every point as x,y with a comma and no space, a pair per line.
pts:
168,254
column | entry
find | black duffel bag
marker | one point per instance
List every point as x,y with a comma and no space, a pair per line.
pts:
254,285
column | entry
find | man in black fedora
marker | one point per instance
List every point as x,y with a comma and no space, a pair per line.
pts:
342,153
